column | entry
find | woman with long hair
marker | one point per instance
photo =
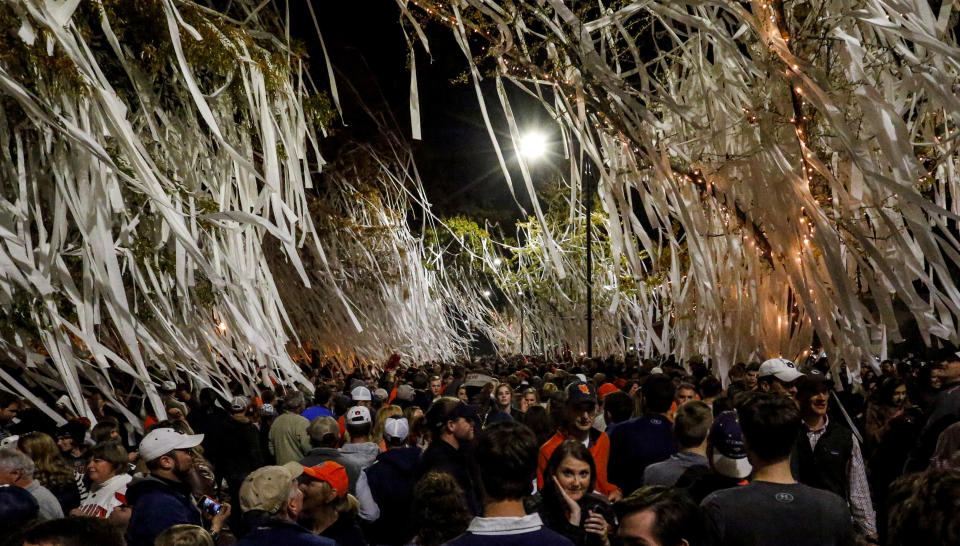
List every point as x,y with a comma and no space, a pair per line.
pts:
502,405
887,402
529,399
418,435
384,413
893,425
53,472
568,503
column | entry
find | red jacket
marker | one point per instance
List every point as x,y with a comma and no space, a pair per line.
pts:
599,448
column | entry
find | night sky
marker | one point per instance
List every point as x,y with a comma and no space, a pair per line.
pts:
455,159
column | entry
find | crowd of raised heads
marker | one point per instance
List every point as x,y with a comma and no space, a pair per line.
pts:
517,451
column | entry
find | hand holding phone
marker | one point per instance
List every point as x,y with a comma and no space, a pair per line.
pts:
210,506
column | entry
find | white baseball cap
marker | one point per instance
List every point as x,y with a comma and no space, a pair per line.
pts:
397,428
360,394
781,368
239,403
357,415
161,441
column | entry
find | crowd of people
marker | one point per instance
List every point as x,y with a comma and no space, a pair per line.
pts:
520,450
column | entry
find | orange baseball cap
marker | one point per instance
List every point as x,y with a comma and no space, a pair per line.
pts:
606,389
333,473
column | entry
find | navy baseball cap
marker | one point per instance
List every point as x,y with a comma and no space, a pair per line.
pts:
579,392
729,455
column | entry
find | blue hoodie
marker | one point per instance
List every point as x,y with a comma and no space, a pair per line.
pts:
158,504
391,480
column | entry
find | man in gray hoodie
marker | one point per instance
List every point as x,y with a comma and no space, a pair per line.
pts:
360,449
324,437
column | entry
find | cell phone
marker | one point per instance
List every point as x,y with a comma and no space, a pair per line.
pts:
210,506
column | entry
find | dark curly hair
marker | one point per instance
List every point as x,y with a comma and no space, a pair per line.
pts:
925,508
440,508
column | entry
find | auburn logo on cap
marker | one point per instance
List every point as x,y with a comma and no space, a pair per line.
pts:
584,389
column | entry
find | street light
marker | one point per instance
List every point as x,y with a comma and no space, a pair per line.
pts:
533,145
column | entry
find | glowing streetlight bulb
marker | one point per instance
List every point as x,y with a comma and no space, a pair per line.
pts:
533,145
486,293
497,262
222,326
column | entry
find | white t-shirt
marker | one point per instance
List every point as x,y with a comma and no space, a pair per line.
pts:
102,499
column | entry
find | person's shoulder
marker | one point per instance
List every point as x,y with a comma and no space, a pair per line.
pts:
291,417
820,495
735,495
542,536
547,536
654,470
552,442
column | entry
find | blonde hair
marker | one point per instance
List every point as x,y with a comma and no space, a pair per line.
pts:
51,469
184,535
347,506
383,414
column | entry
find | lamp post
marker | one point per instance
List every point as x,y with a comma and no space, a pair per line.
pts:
532,146
521,325
587,181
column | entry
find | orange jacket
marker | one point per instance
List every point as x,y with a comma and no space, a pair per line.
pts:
599,448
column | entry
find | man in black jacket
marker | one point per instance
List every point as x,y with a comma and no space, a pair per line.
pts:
945,409
828,454
238,448
451,424
385,489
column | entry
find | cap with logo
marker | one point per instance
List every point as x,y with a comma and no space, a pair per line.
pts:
332,473
729,455
579,392
268,487
357,415
781,368
161,441
360,394
268,410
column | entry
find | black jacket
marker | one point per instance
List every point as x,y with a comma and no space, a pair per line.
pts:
826,466
554,516
442,457
238,449
391,480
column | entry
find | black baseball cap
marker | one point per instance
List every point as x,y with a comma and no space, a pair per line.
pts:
579,392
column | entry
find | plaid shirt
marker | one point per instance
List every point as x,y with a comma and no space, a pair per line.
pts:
861,507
